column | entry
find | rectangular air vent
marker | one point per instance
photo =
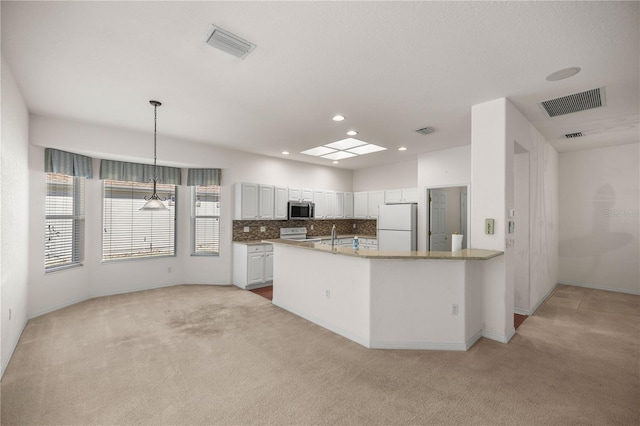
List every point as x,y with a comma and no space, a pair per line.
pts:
230,43
573,135
583,101
426,130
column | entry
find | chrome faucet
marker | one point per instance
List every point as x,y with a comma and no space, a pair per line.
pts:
333,236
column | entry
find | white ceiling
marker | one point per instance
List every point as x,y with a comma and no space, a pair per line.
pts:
389,67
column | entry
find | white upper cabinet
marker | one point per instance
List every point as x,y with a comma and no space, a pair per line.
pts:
298,194
281,198
338,211
320,205
361,205
375,199
398,196
348,205
246,202
266,202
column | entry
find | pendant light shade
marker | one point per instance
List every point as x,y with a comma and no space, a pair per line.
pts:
154,203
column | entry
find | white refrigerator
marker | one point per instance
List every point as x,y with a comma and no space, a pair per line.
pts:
397,227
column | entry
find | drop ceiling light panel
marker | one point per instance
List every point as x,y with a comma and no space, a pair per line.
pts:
582,101
230,43
318,151
345,143
366,149
338,155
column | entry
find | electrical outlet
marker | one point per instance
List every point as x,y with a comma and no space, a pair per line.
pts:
245,229
354,226
312,227
263,228
454,309
327,293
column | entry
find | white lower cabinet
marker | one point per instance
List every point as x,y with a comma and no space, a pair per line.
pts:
252,265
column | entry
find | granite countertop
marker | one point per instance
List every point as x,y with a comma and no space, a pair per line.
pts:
320,237
465,254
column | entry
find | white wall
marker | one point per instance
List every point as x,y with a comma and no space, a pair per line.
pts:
96,278
447,167
599,237
14,227
389,176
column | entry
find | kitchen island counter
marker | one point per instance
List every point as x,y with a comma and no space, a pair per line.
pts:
464,254
395,300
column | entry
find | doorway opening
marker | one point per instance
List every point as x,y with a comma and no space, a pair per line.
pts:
447,214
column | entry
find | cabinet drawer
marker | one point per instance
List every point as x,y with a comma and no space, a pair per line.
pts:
255,249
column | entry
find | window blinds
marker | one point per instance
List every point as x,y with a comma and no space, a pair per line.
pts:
205,220
131,233
64,221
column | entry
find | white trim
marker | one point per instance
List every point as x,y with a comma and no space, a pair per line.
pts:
596,287
13,348
499,337
543,299
45,311
521,311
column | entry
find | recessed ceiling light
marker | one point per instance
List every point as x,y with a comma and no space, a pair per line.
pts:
562,74
338,117
318,151
352,133
366,149
338,155
335,162
402,148
345,143
285,152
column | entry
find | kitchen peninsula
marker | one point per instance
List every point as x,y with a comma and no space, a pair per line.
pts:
394,300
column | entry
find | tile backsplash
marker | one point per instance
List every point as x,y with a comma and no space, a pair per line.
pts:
366,227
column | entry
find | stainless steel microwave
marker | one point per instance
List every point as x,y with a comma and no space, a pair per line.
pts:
301,210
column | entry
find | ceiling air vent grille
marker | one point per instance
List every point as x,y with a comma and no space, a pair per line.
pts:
583,101
230,43
573,135
426,130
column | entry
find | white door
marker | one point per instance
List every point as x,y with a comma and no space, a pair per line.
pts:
437,220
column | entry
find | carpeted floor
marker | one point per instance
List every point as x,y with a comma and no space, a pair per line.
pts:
220,355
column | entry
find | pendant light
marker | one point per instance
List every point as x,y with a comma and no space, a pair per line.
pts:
154,203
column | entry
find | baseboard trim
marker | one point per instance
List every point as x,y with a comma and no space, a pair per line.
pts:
597,287
58,306
521,311
502,338
13,348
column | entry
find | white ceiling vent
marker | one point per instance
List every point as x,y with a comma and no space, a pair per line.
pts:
426,130
572,135
230,43
583,101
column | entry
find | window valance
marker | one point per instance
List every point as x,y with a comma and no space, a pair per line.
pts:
67,163
203,177
134,172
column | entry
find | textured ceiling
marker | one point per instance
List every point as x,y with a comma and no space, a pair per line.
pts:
389,67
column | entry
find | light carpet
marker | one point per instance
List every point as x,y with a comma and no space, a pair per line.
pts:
191,355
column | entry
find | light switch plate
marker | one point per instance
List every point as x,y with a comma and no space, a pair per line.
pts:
489,226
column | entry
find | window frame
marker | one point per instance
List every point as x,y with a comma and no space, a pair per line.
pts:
194,217
78,218
147,191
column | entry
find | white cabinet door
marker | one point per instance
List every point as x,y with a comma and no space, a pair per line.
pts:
375,199
246,201
410,195
319,201
306,195
268,266
348,205
255,268
393,196
338,211
295,194
281,198
266,202
329,204
360,205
